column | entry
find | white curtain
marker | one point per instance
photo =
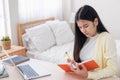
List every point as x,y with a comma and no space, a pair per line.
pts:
2,19
30,10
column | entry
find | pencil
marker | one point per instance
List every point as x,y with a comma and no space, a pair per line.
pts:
73,65
68,56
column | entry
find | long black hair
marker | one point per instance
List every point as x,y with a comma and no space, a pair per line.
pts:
85,13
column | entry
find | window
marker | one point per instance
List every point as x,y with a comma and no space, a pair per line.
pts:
30,10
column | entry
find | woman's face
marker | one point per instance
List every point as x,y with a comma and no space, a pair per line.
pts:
88,28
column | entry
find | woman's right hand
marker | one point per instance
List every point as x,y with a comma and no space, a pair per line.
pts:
69,60
75,68
72,64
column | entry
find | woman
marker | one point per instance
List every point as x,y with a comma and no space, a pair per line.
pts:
93,41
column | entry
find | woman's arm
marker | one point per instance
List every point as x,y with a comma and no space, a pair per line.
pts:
108,59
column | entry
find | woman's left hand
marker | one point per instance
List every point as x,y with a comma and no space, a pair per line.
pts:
82,72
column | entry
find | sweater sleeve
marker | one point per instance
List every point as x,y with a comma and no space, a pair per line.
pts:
109,55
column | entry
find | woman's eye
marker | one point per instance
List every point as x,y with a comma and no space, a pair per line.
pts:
80,27
85,26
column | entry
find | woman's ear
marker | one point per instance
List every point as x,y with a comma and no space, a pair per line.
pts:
96,22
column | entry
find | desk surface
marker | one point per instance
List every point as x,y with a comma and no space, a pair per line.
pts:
57,73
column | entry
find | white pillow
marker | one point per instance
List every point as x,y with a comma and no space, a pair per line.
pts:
52,24
28,43
41,36
62,32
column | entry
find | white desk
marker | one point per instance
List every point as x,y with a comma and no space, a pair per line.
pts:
57,73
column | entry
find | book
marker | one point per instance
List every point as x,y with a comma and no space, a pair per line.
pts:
90,65
4,73
16,59
65,67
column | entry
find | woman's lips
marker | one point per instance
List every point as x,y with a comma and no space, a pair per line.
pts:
86,33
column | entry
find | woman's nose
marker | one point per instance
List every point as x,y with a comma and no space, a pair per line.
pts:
83,30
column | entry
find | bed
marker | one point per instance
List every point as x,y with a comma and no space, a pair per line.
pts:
57,38
53,47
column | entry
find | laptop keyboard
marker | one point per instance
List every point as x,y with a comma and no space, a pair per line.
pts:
28,71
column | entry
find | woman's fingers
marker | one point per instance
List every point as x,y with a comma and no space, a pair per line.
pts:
69,60
82,72
83,67
73,65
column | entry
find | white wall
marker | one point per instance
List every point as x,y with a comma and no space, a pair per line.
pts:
108,10
66,5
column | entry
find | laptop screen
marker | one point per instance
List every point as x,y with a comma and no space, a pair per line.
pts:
9,57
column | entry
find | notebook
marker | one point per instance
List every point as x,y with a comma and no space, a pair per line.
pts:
30,71
90,65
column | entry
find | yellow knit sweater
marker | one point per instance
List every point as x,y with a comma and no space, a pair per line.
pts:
105,56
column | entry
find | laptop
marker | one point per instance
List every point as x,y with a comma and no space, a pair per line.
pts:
29,71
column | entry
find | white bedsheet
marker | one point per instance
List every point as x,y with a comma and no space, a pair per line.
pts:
55,54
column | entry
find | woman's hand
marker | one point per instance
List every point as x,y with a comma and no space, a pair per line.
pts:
80,71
